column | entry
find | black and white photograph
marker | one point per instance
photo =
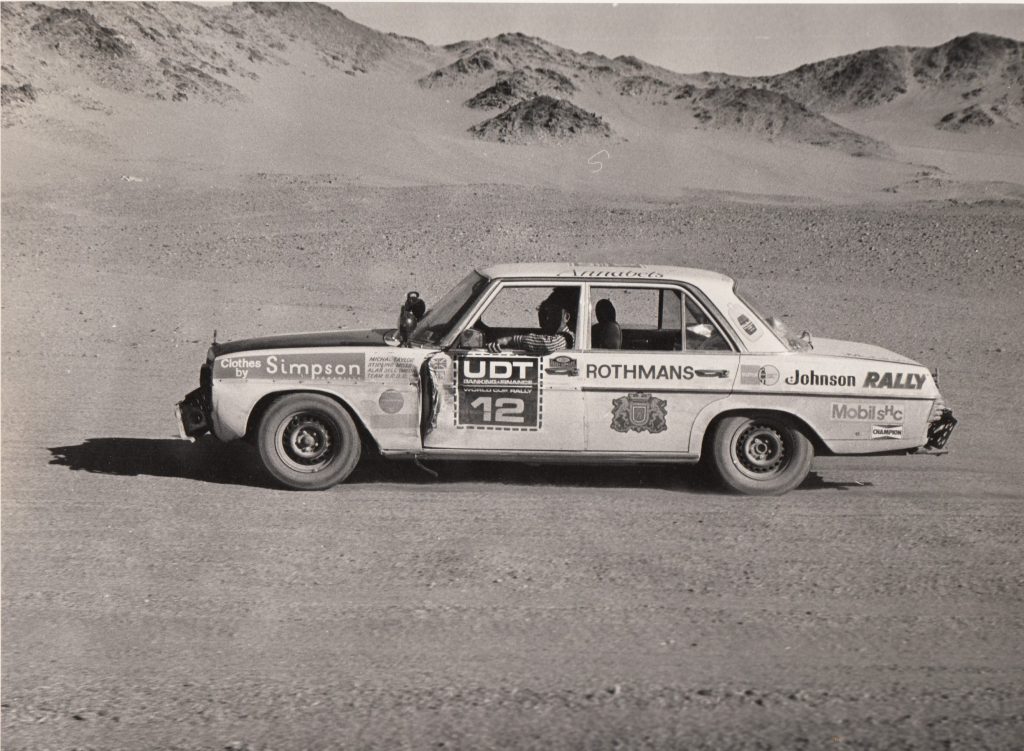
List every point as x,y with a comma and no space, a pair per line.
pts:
500,376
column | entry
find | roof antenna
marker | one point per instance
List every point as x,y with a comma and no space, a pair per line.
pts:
215,336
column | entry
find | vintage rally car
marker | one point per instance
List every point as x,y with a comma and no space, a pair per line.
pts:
569,363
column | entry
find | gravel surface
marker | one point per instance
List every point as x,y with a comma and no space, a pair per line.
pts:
159,594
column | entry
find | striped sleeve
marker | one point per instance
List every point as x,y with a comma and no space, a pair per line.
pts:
539,343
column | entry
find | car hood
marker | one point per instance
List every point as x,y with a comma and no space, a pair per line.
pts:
343,338
840,348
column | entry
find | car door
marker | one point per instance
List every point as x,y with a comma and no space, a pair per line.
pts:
673,358
514,401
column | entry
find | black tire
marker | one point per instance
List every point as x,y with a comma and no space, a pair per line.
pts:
308,442
760,454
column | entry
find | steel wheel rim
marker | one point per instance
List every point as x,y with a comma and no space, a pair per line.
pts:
760,451
306,442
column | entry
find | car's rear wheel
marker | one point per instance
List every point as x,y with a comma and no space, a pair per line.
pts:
308,441
760,454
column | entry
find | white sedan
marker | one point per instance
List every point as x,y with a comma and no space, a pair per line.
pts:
569,363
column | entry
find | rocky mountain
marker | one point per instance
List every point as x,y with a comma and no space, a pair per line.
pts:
467,68
179,51
773,115
1002,110
519,85
970,59
541,118
510,71
863,79
982,63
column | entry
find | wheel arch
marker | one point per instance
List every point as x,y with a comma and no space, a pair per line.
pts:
263,404
704,426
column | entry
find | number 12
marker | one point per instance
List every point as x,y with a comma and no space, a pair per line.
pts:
504,410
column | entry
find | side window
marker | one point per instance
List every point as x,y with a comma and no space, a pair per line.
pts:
517,310
634,318
671,308
701,332
652,319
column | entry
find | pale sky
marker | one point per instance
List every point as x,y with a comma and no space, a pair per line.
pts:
740,39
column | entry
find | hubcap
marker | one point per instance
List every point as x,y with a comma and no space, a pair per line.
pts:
761,450
305,443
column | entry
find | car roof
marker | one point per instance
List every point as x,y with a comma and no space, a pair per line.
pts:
605,271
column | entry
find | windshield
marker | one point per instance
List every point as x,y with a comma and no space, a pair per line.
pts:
439,320
780,330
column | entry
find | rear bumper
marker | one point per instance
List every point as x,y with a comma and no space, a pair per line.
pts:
940,430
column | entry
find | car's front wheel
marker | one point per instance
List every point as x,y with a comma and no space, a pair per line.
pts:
760,454
308,441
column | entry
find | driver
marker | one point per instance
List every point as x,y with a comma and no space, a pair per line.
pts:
554,323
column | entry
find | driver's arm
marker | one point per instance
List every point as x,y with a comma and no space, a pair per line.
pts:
538,344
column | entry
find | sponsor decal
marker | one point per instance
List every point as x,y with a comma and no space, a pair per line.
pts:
886,431
853,412
745,322
651,372
820,379
639,412
759,375
614,272
499,393
562,365
316,366
390,368
747,325
894,380
391,401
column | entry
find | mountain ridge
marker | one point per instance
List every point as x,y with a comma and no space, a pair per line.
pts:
164,51
86,64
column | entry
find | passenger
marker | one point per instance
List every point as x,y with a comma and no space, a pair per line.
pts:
606,333
554,321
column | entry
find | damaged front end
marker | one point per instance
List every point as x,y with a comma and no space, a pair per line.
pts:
193,413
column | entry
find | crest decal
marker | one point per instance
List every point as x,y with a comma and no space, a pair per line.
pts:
640,412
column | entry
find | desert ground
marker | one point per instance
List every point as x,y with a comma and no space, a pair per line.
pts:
163,594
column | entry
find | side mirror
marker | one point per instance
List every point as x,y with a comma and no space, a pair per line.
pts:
413,310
